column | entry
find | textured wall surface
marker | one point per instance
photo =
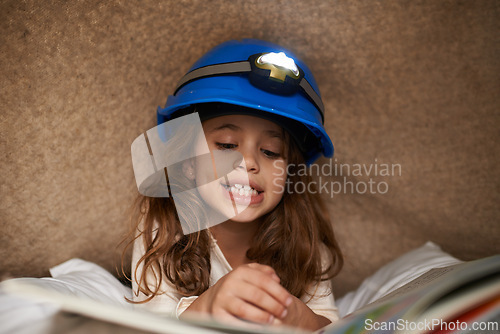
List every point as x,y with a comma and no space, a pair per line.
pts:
409,83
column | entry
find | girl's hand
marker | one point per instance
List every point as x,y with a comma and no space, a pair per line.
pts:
250,292
300,315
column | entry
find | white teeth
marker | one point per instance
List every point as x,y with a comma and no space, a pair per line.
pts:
238,189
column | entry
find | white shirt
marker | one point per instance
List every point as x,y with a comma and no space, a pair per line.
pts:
170,302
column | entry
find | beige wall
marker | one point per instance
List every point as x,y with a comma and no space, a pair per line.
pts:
413,83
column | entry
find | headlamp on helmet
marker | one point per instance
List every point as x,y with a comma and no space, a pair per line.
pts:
275,72
269,71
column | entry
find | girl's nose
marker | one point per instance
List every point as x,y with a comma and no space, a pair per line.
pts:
249,162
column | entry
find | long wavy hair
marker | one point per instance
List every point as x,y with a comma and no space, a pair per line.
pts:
289,239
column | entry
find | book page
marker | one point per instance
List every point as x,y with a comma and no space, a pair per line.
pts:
464,299
418,283
410,300
437,281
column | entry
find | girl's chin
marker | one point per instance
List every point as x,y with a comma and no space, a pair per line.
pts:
244,217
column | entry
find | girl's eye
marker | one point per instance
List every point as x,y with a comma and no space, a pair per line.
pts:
271,154
226,146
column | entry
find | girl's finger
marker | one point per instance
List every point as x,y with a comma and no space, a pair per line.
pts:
268,284
266,269
247,311
263,300
228,318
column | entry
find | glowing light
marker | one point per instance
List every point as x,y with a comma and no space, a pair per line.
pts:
279,59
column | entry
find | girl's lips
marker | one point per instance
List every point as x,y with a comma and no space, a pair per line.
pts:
245,198
235,181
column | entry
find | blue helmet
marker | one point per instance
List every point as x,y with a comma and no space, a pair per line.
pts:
262,79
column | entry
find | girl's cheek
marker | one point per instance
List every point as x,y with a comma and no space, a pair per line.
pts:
279,167
279,176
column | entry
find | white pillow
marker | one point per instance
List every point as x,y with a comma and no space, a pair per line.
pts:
19,315
87,279
74,277
394,275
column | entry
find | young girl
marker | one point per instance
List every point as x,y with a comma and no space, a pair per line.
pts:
227,236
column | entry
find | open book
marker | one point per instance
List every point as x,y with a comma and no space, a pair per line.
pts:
451,299
458,299
94,316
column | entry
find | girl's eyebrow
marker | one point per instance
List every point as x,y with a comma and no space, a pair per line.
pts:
270,133
226,126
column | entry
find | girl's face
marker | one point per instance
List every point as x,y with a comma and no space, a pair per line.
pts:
256,185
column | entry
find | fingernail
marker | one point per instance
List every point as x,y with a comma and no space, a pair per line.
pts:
271,319
283,315
288,301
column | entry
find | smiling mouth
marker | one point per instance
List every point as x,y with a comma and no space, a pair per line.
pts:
242,190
